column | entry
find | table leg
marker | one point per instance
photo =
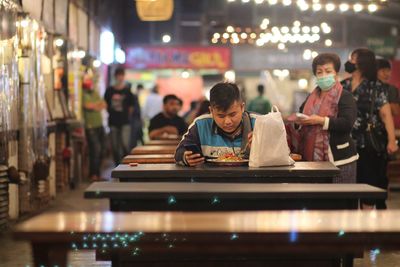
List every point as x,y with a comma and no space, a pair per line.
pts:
49,255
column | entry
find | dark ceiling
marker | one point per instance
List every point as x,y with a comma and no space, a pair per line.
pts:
194,21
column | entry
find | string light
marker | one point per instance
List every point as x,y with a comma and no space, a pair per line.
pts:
343,6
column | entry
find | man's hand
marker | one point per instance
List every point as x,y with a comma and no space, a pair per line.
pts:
170,130
193,159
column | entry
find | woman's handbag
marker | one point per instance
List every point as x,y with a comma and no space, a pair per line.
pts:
375,138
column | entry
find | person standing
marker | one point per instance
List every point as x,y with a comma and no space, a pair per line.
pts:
384,73
372,108
330,115
260,104
154,104
136,120
93,104
120,105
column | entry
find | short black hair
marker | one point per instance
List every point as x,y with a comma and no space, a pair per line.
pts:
139,86
223,95
326,58
180,102
119,71
366,63
171,97
260,89
382,63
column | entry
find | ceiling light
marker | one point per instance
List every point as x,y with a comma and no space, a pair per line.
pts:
358,7
296,23
185,74
286,2
230,29
326,30
315,29
372,8
281,46
217,35
330,7
314,54
259,1
166,38
243,35
328,42
96,63
285,29
272,2
302,83
306,29
59,42
296,29
317,7
225,35
307,54
344,7
259,42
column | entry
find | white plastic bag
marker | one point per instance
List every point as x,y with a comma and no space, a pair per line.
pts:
269,146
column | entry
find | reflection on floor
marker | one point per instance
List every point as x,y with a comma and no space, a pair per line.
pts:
18,254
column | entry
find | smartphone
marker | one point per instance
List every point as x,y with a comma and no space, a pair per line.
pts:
301,115
194,148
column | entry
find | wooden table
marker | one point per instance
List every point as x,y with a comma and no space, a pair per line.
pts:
149,159
301,172
162,142
148,150
287,238
224,197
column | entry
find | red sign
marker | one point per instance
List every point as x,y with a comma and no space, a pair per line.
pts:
178,58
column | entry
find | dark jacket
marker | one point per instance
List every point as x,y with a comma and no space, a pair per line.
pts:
341,144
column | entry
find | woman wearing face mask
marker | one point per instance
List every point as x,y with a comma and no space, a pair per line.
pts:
363,84
331,112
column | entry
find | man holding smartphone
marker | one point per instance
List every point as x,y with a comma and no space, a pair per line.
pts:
228,129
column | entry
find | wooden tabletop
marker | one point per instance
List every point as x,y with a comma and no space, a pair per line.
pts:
232,190
159,149
301,172
149,159
263,223
162,142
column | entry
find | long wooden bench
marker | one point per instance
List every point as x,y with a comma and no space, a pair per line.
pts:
148,150
162,142
149,159
232,196
267,238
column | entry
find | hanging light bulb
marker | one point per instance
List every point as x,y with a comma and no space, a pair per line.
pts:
344,7
358,7
372,8
330,7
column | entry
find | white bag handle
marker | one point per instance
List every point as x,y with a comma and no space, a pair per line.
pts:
274,108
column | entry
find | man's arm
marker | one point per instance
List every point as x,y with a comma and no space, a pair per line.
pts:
190,137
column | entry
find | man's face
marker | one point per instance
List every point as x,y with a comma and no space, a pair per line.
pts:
120,78
172,107
230,119
384,75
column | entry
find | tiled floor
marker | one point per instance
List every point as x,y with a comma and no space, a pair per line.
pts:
18,254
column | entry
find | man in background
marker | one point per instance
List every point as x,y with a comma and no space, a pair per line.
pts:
92,107
120,105
260,104
167,123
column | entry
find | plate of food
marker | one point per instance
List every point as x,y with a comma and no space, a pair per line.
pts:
228,160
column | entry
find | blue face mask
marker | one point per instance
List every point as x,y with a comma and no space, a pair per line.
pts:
326,82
